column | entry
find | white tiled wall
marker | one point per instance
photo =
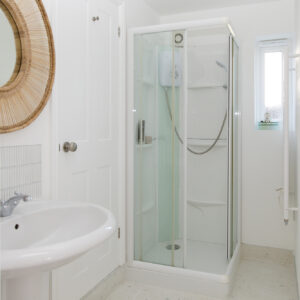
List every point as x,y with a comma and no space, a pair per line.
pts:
20,171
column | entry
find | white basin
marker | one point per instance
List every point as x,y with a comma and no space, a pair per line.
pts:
40,236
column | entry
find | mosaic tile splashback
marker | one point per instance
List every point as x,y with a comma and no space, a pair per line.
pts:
20,171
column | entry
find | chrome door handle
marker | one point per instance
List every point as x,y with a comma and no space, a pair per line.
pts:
70,146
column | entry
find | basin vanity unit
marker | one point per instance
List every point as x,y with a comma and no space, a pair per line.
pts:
41,236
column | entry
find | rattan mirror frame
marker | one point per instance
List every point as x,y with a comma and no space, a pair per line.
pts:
23,98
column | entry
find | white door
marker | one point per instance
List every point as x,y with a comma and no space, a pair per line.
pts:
88,113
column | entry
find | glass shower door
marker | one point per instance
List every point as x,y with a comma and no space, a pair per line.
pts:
158,153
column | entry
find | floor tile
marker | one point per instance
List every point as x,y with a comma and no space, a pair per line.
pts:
257,278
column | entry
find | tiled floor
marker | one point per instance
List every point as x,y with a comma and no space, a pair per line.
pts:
259,277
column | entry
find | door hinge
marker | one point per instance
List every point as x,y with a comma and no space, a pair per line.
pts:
119,31
119,232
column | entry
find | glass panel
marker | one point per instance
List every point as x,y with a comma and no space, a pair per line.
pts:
235,150
158,89
207,163
273,78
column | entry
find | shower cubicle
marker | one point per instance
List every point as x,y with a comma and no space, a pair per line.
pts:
184,146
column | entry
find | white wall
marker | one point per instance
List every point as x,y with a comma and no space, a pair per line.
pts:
138,13
297,50
262,215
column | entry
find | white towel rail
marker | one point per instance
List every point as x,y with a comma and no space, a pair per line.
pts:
286,140
286,130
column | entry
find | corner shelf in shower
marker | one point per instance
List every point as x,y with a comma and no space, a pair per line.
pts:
146,82
205,86
144,146
206,142
146,208
201,204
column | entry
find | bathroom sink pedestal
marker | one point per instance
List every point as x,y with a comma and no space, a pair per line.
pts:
31,287
42,236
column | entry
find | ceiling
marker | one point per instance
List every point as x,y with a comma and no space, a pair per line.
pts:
168,7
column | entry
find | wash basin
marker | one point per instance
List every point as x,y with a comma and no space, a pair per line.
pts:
41,236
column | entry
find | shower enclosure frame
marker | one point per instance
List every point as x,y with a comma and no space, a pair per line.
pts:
206,283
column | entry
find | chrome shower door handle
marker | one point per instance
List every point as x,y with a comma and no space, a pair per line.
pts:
69,147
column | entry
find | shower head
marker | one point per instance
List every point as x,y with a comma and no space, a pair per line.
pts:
221,65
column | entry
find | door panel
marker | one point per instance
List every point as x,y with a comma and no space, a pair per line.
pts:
88,113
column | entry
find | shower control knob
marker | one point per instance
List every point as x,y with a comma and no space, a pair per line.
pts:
70,146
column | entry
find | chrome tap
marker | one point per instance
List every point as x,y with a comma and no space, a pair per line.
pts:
7,207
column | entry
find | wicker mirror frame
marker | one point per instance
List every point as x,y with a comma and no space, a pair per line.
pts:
24,96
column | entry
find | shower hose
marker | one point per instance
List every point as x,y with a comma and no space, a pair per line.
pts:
179,137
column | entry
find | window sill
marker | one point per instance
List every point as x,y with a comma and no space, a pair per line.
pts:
268,125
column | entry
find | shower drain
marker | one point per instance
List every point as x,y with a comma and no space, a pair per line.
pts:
170,247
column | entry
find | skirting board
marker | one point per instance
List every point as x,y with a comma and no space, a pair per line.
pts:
107,285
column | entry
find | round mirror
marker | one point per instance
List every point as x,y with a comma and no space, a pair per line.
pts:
27,62
10,54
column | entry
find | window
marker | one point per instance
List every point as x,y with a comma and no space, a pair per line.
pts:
270,82
273,77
